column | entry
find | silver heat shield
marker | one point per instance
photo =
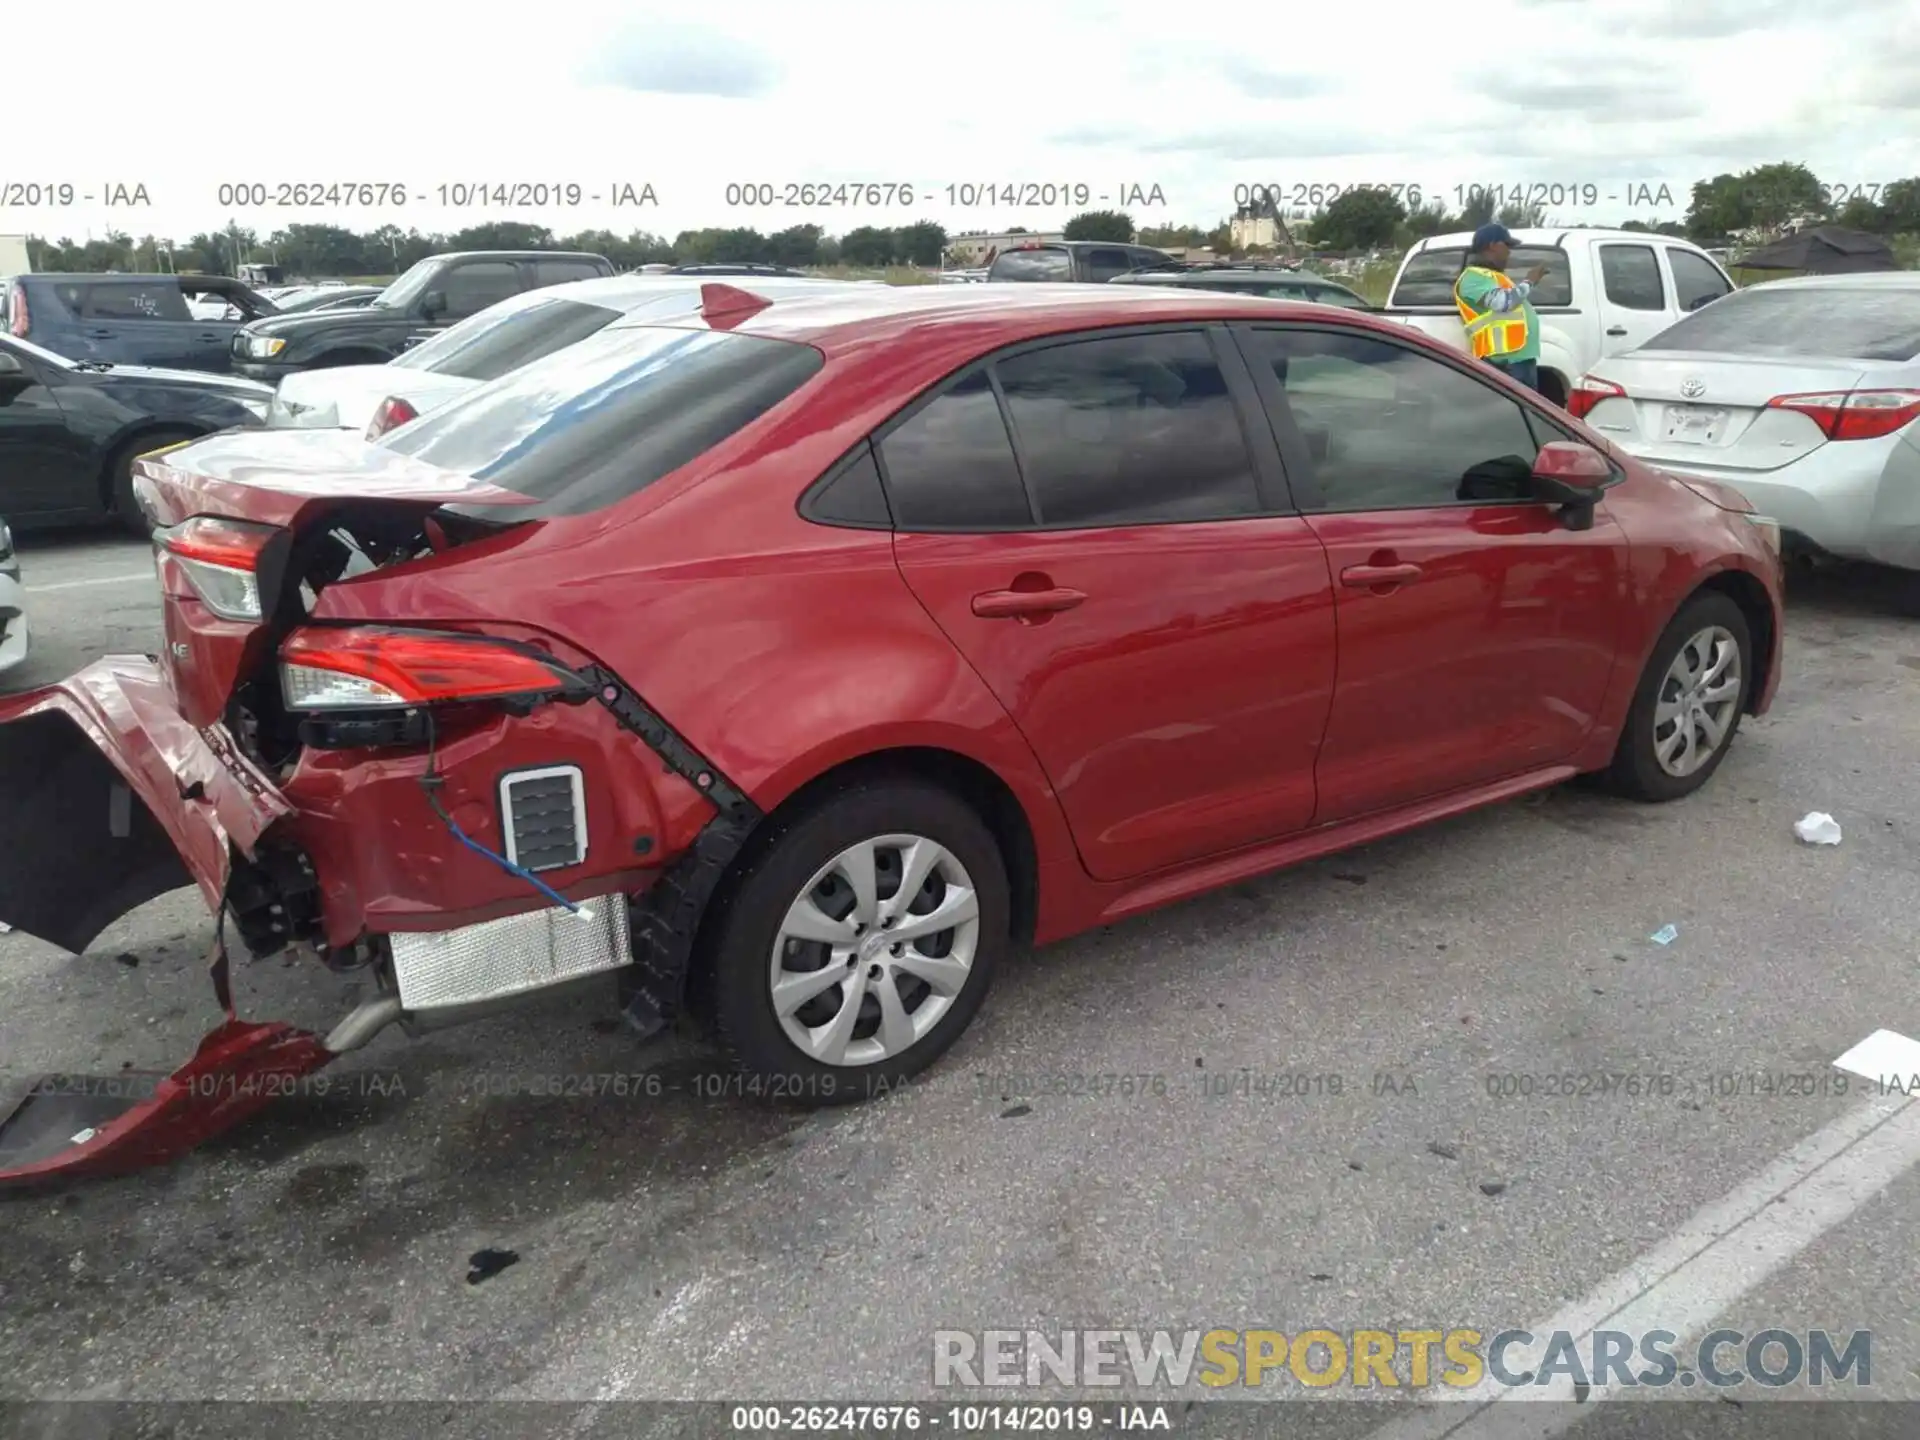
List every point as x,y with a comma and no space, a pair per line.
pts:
511,956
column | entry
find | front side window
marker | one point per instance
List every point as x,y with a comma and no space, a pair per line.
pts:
1127,430
1104,264
1388,428
472,287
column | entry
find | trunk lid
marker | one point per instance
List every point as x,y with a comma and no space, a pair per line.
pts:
1712,410
228,589
346,397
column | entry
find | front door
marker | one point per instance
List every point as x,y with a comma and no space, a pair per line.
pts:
40,469
1476,631
1120,580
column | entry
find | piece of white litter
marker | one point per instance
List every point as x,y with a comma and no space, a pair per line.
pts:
85,1135
1817,827
5,929
1665,935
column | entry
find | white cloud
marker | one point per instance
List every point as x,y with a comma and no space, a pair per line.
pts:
1612,94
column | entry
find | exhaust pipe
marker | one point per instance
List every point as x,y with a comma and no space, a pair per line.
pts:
363,1024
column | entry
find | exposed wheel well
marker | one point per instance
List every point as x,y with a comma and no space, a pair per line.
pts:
1751,596
1554,386
334,358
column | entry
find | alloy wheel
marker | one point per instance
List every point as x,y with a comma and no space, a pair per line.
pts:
874,950
1698,702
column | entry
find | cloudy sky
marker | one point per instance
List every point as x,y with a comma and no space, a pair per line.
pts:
1608,99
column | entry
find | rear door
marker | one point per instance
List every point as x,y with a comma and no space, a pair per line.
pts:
1476,631
41,468
1635,302
140,322
1099,529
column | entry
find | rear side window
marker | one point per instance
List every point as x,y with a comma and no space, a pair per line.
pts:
1695,280
490,345
123,301
1630,275
602,420
560,272
950,465
1829,323
1428,277
1129,430
1105,264
1032,265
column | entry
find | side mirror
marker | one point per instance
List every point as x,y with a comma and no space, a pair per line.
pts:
10,364
433,304
1570,474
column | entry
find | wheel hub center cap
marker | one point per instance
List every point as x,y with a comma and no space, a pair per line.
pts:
871,946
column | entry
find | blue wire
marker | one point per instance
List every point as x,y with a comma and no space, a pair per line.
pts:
506,864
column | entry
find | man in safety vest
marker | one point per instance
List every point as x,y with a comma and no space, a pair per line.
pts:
1502,328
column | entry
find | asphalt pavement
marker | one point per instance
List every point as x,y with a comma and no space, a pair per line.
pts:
1339,1116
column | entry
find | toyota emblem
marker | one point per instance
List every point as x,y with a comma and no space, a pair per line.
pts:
1693,389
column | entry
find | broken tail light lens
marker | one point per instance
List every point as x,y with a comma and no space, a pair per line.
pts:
1588,391
364,667
1854,414
392,414
221,558
18,321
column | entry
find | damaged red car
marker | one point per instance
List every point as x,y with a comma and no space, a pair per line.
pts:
788,663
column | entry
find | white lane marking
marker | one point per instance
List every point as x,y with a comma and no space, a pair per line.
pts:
97,580
1890,1060
1680,1285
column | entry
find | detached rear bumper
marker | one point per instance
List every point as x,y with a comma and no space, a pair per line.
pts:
75,757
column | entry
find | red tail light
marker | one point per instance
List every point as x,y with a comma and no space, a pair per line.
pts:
1854,414
365,667
222,560
393,413
18,321
1588,391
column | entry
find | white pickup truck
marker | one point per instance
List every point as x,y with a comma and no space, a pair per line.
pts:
1605,291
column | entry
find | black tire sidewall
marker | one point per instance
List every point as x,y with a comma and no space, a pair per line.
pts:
1635,770
738,995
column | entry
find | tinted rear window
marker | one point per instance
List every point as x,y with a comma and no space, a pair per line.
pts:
1429,276
1836,324
600,420
136,301
503,339
1033,265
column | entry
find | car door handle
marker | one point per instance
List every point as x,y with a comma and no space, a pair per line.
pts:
1013,604
213,337
101,334
1362,576
1616,330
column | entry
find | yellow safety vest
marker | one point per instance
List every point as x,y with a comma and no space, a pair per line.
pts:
1492,333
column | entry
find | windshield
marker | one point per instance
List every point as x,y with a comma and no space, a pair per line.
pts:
411,286
505,337
1829,323
40,353
598,421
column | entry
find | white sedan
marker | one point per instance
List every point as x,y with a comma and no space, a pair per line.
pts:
13,604
499,339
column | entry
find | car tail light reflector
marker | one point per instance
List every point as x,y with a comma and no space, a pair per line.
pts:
1588,391
222,560
392,414
18,321
365,667
1854,414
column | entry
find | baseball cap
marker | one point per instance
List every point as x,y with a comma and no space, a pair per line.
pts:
1491,234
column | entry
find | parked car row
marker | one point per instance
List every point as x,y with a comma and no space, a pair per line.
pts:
785,653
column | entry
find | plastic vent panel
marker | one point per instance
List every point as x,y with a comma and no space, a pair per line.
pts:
543,814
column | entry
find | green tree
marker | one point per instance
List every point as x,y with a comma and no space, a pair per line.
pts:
869,246
795,246
1173,237
1478,210
1861,213
1109,225
1430,218
502,235
1522,217
921,243
1779,192
1361,219
1220,238
1671,228
1900,203
1637,225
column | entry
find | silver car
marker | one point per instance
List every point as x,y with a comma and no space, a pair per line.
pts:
1803,394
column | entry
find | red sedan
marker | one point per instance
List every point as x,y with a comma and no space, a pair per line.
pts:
791,662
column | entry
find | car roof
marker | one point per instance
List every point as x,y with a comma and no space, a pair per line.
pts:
625,292
1869,279
1556,235
1005,314
1279,275
519,255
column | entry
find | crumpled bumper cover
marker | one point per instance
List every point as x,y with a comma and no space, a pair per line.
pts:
109,798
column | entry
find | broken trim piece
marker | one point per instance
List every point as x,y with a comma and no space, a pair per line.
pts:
666,917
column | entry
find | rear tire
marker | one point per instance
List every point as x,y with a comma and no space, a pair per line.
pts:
1687,708
823,893
125,510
